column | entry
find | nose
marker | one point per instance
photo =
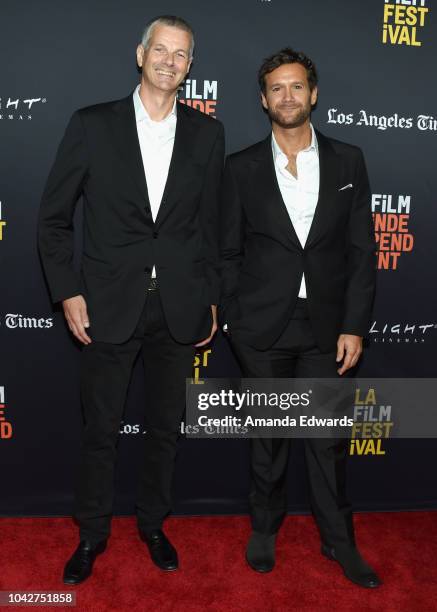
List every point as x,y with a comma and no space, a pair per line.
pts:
288,94
169,59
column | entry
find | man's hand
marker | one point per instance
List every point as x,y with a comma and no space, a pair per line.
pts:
213,328
77,317
350,348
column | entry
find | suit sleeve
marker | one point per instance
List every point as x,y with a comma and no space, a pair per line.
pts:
231,239
59,199
361,264
209,215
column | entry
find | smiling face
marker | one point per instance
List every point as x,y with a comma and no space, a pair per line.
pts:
288,98
166,61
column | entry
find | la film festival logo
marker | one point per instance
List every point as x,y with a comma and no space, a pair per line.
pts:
391,217
201,95
20,109
372,424
2,222
5,425
403,21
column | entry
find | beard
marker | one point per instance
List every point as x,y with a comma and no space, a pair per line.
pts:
299,117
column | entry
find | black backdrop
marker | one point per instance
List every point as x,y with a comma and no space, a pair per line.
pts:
59,56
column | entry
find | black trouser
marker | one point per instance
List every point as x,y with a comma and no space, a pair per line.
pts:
295,354
105,374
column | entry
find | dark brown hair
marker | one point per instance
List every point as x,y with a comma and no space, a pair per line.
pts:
287,56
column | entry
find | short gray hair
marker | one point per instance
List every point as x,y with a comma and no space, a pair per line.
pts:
168,20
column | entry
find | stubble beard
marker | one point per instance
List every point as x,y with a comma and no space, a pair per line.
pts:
297,121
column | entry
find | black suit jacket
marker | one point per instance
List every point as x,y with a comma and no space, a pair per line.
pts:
263,260
100,158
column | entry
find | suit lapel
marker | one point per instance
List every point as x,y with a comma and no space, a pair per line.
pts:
328,165
126,139
266,189
265,178
183,144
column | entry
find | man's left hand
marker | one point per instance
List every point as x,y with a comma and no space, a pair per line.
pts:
213,328
349,349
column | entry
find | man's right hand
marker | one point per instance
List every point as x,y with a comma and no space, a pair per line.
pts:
76,315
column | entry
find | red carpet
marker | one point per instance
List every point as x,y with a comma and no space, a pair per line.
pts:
402,547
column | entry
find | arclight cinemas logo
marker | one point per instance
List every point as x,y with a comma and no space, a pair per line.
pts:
199,94
424,123
20,109
405,333
18,321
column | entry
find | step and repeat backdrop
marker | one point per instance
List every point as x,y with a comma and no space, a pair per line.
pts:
376,61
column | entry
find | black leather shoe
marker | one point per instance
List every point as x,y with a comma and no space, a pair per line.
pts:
80,566
260,552
162,551
354,566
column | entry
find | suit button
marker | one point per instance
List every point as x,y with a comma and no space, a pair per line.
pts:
155,234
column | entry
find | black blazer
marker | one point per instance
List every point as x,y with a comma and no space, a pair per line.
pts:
263,260
100,158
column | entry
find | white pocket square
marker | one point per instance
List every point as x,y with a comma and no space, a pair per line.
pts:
348,186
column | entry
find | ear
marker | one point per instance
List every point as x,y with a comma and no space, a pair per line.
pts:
140,55
189,66
314,95
264,101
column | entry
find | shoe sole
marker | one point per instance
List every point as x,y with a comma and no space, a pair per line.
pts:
256,569
75,583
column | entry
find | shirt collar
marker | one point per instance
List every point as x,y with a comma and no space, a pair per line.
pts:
280,157
141,113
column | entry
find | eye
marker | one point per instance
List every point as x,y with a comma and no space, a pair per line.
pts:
182,55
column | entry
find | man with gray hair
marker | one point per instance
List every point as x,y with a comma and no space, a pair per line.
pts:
149,170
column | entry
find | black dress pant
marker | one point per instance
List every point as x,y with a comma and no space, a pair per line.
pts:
295,355
105,374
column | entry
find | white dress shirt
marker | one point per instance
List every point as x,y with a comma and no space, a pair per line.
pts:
156,144
300,194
